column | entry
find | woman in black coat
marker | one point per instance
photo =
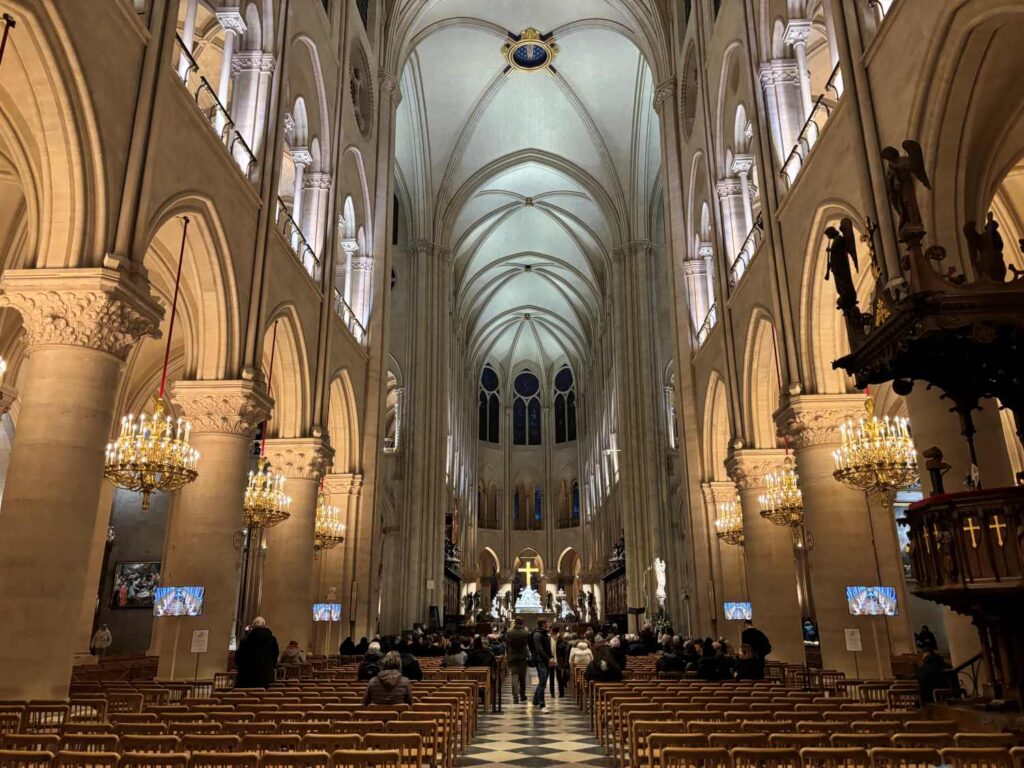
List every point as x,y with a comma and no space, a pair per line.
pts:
256,657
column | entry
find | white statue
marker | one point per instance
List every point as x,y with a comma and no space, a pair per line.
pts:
659,574
529,601
495,608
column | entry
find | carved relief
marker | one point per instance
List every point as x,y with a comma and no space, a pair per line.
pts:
361,90
300,459
222,407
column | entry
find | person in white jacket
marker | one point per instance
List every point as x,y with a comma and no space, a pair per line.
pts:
101,641
580,655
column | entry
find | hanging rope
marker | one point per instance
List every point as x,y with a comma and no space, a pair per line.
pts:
174,304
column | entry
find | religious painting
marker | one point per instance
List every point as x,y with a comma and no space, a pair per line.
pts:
134,584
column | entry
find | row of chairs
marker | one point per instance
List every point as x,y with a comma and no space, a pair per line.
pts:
820,757
358,757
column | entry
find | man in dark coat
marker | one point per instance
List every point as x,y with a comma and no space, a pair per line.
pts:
256,657
933,673
540,646
759,644
518,656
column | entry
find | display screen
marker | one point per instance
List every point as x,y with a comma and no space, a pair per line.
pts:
178,601
738,612
872,601
326,611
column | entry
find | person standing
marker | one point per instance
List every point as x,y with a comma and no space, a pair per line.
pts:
925,639
758,642
541,646
256,657
517,643
101,641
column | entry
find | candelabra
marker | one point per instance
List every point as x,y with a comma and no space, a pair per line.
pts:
265,504
330,530
876,455
729,524
782,502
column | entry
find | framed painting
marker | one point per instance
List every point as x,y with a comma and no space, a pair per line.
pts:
134,584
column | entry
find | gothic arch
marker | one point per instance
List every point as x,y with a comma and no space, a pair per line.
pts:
343,424
494,559
760,381
716,429
290,381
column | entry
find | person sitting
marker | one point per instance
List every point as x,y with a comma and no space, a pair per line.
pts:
714,667
293,654
580,655
411,667
932,674
603,669
348,648
748,666
618,652
497,645
389,686
455,656
636,647
362,646
480,655
672,660
370,665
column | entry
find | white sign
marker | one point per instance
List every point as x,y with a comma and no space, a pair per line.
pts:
430,585
200,641
853,642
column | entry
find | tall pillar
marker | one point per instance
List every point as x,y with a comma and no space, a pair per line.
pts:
353,579
301,158
187,36
846,545
695,275
288,567
80,325
728,566
730,195
204,526
350,246
797,31
253,75
780,79
362,286
771,567
233,24
315,188
643,486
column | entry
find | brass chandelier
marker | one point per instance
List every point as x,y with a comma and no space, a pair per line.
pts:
330,530
729,523
876,455
782,502
152,453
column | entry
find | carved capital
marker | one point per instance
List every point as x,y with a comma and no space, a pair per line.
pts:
695,267
718,492
635,249
252,61
742,164
729,188
664,91
303,458
425,248
230,20
98,309
362,264
345,484
797,31
811,420
301,156
222,407
705,250
316,181
748,467
780,72
390,88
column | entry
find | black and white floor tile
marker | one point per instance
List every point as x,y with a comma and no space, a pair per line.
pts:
521,735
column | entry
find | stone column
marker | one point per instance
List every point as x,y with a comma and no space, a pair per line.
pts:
351,247
730,195
727,560
80,325
695,275
252,72
204,530
847,548
797,31
187,36
780,79
362,286
345,492
232,23
288,567
771,568
741,166
315,187
301,158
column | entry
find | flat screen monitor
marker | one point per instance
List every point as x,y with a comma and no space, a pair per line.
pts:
326,611
872,601
738,612
178,601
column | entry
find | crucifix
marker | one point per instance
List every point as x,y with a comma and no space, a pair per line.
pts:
998,526
528,569
971,528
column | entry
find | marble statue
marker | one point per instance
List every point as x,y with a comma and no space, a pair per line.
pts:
659,575
529,601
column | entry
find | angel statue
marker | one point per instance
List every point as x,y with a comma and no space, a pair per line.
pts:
900,173
986,250
842,248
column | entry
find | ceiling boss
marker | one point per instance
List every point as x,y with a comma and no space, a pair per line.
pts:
530,50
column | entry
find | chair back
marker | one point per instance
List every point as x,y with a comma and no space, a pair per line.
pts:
23,758
86,760
896,757
923,740
155,744
835,757
31,742
408,745
223,760
798,740
765,757
270,742
154,760
357,758
694,757
977,757
209,742
861,740
90,742
734,740
1005,740
295,760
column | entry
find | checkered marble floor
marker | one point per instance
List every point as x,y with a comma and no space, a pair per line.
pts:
520,735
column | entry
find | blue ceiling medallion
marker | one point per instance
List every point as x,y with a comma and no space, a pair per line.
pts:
529,51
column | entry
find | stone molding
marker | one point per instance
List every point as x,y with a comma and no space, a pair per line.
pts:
729,188
705,250
349,245
390,88
718,492
230,20
301,156
8,395
95,308
742,164
318,180
350,484
252,61
779,72
634,248
797,31
222,407
748,467
427,248
302,458
695,267
664,91
814,420
362,264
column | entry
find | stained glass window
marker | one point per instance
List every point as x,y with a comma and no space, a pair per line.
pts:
490,406
575,502
538,514
526,410
565,406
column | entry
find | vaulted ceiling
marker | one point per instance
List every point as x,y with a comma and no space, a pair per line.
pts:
531,179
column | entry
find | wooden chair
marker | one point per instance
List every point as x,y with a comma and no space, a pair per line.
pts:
659,742
408,745
295,760
358,758
640,731
892,757
359,728
834,757
18,758
862,740
798,740
44,718
223,760
90,742
134,717
745,757
141,729
330,742
194,729
124,703
209,742
923,740
379,715
694,757
1004,740
878,726
431,738
1017,754
154,760
31,742
821,726
708,726
731,741
929,726
86,760
87,710
152,744
10,722
977,757
89,729
270,742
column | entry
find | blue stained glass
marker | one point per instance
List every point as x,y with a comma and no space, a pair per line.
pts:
527,384
519,422
563,380
534,419
537,504
489,379
575,501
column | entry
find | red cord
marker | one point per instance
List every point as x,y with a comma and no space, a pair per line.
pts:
174,308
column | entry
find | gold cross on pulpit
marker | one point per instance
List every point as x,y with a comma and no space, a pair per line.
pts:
998,526
971,528
926,535
529,570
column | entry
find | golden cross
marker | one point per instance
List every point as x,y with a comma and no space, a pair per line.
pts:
997,525
927,536
972,529
529,570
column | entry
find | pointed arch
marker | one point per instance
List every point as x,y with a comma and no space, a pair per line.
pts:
290,381
760,381
343,424
715,430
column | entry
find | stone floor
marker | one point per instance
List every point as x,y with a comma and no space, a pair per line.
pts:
521,735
